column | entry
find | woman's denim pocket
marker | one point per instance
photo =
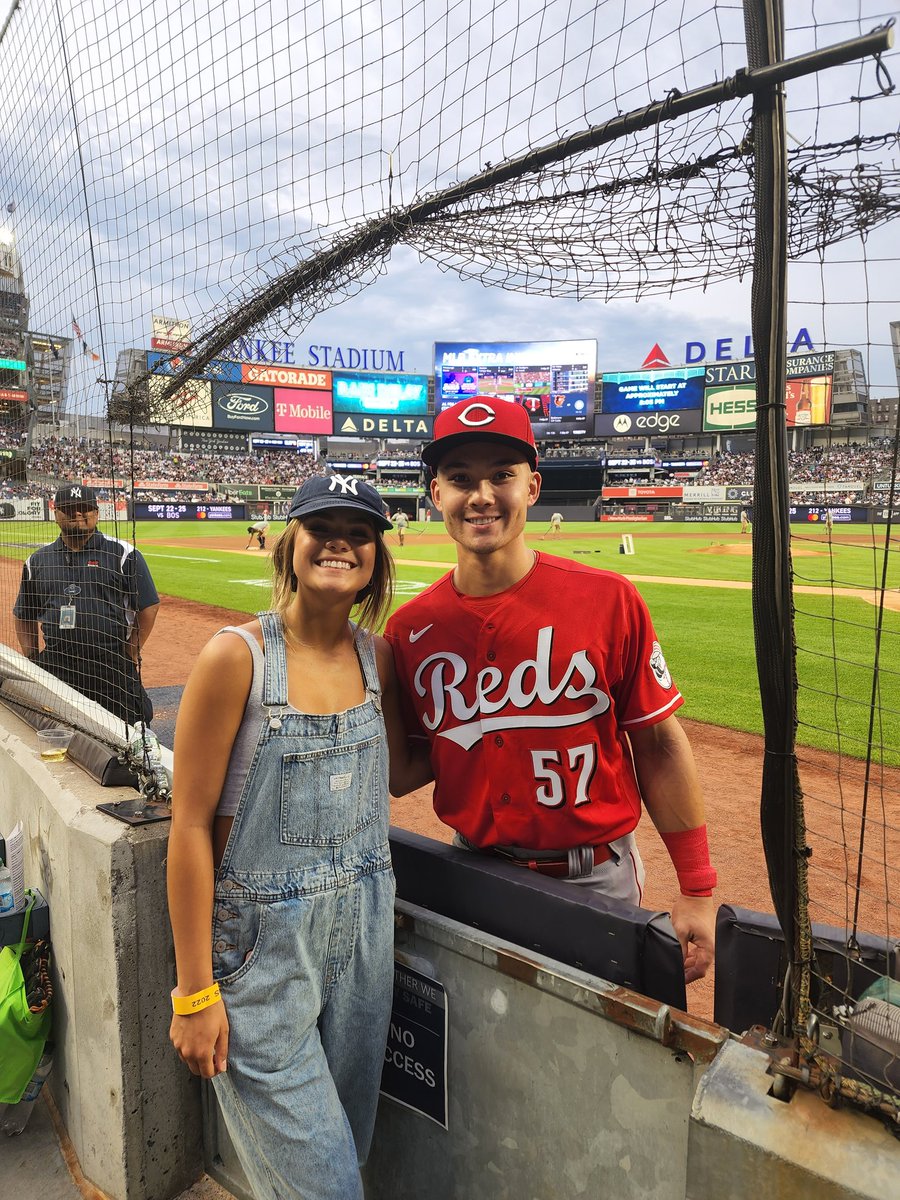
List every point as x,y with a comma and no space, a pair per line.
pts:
329,796
237,933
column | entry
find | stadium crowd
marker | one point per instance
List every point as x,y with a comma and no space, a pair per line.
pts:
852,463
68,458
61,458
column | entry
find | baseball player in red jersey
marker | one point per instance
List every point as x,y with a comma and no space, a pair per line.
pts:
543,690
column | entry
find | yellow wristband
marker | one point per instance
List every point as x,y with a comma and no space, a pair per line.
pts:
183,1006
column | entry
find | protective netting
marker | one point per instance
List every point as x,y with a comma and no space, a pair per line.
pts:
244,170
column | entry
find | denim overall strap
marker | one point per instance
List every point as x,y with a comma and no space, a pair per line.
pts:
275,683
365,652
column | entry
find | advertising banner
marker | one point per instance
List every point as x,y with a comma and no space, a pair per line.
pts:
98,481
243,406
191,405
647,424
110,511
218,369
169,333
19,395
733,406
744,371
380,395
626,516
240,491
173,511
213,441
728,408
165,485
839,487
698,493
708,512
649,391
808,401
298,410
642,493
22,510
419,428
738,492
814,514
282,441
285,377
553,381
274,492
885,485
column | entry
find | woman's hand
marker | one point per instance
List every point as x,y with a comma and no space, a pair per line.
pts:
201,1040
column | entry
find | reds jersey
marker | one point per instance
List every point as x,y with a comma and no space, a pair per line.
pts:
526,698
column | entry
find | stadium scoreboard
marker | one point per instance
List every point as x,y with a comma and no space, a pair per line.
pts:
164,511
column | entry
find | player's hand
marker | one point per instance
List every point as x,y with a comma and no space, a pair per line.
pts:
201,1040
694,921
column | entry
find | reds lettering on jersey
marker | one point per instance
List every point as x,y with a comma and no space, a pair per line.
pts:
526,698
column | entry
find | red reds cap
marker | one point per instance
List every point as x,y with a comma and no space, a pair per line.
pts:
481,419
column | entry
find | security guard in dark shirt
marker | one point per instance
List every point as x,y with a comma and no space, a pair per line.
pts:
96,604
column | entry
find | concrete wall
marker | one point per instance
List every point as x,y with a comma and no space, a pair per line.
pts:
130,1107
562,1086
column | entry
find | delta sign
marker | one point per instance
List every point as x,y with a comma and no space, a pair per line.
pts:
726,350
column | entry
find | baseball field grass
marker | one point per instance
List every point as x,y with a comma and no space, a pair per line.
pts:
696,581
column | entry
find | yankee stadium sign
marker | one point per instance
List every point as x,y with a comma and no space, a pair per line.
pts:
265,350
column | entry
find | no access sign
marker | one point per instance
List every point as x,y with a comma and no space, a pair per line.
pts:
415,1058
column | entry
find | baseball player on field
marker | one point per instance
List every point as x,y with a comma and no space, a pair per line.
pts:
401,524
258,531
556,520
543,690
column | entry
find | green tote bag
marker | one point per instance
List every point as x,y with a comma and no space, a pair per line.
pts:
24,1012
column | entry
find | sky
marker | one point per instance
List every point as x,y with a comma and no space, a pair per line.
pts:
175,159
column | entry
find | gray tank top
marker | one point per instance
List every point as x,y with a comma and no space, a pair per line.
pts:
247,738
248,734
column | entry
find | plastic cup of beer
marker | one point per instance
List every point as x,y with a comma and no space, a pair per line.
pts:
54,743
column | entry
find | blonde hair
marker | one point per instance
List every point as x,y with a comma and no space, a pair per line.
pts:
372,603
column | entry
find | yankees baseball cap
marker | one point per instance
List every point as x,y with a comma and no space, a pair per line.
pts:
75,495
338,491
481,419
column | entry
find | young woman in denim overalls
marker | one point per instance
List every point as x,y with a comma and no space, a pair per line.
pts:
280,885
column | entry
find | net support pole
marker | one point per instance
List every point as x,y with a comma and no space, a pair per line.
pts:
781,810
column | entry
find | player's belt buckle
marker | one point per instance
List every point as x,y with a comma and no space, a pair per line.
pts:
577,863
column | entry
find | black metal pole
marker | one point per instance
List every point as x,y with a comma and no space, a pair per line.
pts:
780,801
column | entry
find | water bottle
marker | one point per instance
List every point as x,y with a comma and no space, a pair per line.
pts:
15,1118
7,903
